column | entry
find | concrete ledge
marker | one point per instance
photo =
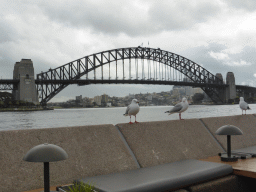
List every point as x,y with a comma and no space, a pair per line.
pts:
92,150
155,143
247,123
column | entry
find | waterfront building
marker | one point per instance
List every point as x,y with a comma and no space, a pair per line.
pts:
97,100
79,99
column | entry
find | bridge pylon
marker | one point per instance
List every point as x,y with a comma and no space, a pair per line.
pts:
24,72
231,89
221,91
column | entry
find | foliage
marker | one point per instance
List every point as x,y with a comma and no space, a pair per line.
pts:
82,187
250,100
231,101
7,101
237,99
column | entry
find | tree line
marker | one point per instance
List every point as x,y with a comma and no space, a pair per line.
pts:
7,101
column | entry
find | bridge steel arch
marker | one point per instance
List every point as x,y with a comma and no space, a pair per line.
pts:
46,81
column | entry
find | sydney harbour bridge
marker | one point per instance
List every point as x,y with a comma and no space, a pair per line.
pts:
133,65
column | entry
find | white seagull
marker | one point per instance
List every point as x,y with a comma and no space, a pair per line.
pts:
243,105
132,109
179,108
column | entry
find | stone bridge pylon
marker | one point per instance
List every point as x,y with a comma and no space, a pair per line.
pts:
230,91
26,90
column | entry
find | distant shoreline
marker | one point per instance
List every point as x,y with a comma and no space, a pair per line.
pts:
24,109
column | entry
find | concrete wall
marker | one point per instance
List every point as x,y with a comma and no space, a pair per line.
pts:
103,149
247,123
155,143
92,150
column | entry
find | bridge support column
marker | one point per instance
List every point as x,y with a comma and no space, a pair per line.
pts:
247,95
24,71
231,89
222,91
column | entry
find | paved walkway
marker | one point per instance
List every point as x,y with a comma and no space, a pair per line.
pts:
42,189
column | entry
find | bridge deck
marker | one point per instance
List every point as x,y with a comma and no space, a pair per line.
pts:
123,81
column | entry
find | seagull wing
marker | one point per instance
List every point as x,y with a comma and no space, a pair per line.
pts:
127,110
243,105
176,109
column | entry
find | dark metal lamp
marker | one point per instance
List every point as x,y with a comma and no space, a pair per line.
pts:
46,153
228,130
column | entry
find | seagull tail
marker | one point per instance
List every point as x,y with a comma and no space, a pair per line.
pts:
168,112
248,108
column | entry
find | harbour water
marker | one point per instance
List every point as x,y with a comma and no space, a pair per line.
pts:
96,116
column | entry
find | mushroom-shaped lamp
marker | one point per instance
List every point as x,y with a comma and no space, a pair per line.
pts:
46,153
229,130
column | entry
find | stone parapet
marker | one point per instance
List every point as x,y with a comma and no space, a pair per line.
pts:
92,150
155,143
245,122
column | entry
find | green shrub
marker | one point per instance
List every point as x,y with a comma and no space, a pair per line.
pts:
82,187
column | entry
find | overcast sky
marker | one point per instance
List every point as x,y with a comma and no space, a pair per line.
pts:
219,35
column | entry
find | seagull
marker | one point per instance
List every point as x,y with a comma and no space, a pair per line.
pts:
132,109
243,105
179,108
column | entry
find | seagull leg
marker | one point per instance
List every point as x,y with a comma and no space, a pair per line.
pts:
130,120
180,116
245,112
135,120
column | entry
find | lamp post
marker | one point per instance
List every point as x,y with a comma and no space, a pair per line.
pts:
46,153
228,130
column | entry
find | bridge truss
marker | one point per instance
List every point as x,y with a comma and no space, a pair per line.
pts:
8,84
128,65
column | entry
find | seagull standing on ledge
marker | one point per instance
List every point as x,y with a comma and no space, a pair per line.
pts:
132,109
179,108
243,105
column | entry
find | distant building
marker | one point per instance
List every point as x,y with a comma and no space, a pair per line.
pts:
149,97
179,91
79,99
97,100
104,98
131,96
189,91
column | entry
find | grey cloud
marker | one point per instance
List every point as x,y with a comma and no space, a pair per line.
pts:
118,17
111,18
201,56
249,5
181,15
8,33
